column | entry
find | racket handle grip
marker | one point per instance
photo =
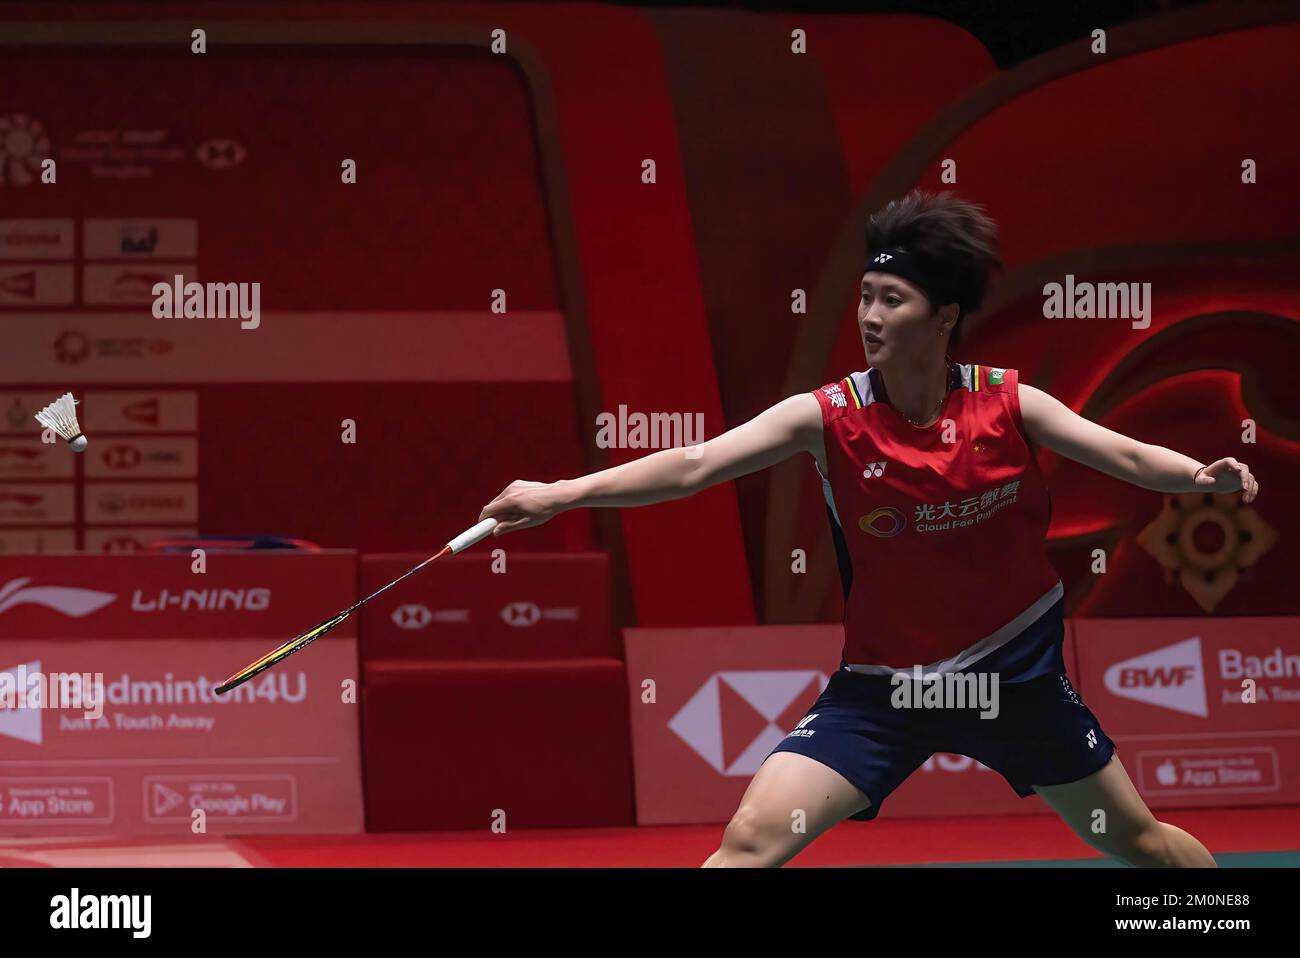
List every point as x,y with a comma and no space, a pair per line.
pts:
472,535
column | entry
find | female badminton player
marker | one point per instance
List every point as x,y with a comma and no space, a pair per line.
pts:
939,516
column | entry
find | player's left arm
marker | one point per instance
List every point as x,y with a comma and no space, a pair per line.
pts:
1054,425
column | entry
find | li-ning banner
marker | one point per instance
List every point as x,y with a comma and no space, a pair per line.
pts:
1204,711
108,722
724,697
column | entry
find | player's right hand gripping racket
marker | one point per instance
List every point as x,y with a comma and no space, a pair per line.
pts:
300,642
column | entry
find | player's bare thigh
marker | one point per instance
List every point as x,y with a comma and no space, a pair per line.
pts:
1106,811
791,801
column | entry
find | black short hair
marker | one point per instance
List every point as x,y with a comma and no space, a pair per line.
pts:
951,237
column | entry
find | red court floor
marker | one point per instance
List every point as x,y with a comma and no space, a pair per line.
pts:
1235,833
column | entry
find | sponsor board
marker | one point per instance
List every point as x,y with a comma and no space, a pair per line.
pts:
146,596
230,798
140,239
37,541
120,502
132,347
32,285
18,411
30,458
140,458
140,412
55,801
163,744
549,605
111,285
37,503
133,539
1205,771
1203,710
36,239
724,698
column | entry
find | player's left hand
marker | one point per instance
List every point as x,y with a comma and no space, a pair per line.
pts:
1228,475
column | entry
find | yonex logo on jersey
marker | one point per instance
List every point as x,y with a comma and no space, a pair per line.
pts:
883,523
1092,739
883,258
874,469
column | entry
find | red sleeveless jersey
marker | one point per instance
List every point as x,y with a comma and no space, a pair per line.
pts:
940,530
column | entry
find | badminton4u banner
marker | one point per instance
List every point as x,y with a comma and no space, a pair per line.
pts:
108,721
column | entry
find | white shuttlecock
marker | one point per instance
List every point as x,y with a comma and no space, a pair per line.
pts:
61,416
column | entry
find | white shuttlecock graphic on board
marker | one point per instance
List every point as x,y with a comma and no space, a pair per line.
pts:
61,416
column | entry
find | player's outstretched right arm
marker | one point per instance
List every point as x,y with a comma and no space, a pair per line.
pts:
792,426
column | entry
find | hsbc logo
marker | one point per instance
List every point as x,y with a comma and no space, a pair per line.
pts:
521,614
72,602
221,154
411,617
729,702
121,457
1171,678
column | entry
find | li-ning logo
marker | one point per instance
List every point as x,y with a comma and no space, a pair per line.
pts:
800,731
874,469
883,523
883,258
71,602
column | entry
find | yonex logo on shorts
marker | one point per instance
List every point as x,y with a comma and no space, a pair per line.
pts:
1092,739
874,469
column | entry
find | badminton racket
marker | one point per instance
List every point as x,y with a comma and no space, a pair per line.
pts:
300,642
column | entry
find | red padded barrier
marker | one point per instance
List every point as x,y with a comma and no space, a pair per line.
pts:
446,744
542,606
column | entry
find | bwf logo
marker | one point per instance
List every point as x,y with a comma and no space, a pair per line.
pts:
1171,678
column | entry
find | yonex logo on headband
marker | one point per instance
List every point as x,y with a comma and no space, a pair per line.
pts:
883,258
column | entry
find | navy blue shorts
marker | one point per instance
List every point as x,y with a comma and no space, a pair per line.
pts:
1043,734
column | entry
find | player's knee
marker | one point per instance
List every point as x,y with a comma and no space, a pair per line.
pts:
753,838
1147,847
